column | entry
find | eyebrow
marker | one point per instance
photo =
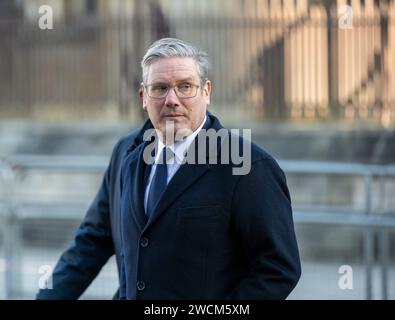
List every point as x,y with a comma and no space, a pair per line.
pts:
190,79
186,79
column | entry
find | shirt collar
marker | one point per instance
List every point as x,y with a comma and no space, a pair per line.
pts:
180,148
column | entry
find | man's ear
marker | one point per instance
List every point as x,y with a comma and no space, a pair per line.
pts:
207,91
141,94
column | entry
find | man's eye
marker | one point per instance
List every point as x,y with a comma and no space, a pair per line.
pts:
184,86
159,88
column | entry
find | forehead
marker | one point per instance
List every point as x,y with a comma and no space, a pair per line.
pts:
172,69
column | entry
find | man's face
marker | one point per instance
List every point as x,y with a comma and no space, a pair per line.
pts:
171,115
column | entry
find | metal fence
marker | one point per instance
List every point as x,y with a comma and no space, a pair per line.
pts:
18,210
270,59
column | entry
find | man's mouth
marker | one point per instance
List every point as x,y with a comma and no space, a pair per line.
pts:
173,115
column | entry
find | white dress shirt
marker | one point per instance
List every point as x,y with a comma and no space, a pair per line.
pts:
179,149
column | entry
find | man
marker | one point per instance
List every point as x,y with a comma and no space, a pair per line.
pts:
184,229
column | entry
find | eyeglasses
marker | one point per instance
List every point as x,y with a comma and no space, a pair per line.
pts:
183,90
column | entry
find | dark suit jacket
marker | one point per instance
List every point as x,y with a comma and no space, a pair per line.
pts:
214,235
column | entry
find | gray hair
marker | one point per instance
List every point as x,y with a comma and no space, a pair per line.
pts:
172,47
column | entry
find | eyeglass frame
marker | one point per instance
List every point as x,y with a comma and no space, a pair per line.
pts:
175,91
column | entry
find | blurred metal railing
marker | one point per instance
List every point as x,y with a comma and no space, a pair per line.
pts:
369,219
11,212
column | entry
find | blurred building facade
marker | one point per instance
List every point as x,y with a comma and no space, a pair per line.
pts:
283,60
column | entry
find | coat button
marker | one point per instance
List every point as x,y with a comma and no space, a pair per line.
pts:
144,242
140,285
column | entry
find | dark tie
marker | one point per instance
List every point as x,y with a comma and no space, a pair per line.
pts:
158,183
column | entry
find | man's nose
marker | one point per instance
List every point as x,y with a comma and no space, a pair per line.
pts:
171,98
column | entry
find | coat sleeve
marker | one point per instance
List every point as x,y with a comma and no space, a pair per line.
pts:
263,224
90,249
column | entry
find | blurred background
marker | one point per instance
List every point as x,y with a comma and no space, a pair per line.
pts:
314,80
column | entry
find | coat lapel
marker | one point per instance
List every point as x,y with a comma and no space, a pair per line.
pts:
137,169
186,175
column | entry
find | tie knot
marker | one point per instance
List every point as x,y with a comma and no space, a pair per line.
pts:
166,155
